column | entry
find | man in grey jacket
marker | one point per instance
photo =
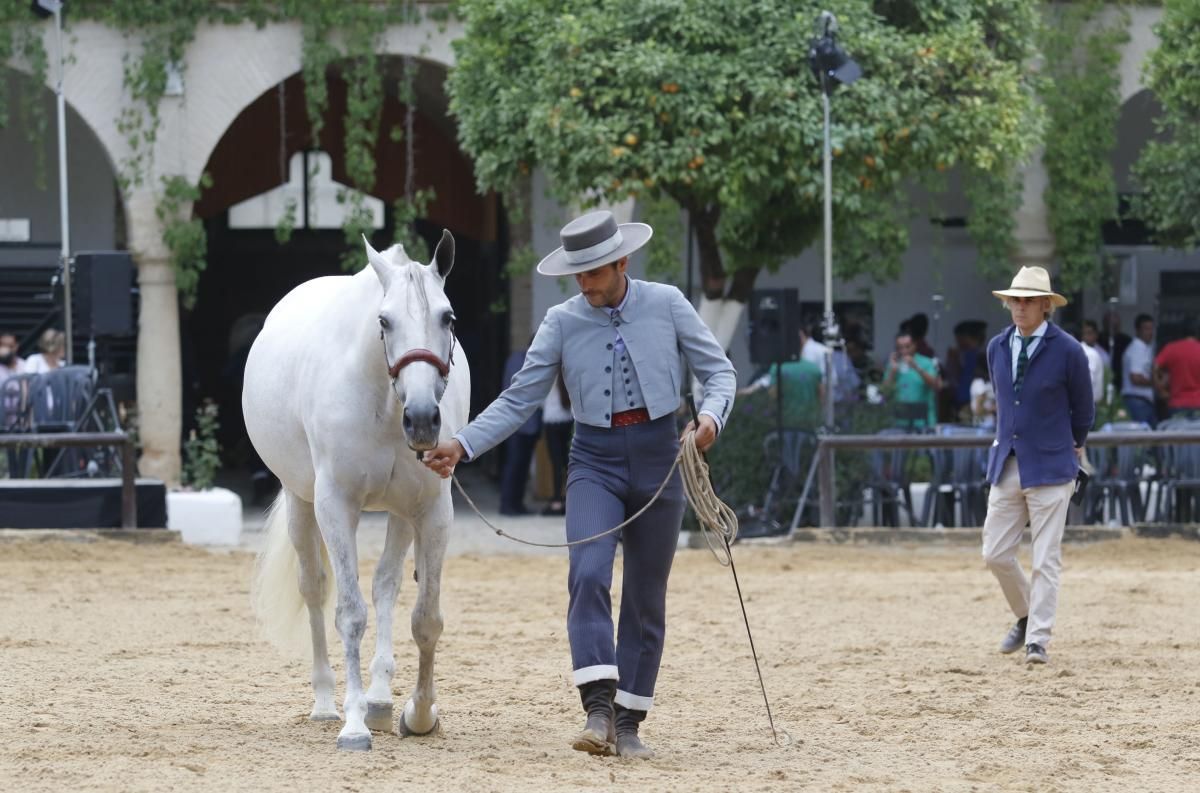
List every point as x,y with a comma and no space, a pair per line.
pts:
617,345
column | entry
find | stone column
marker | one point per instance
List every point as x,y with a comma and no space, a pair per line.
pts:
159,377
1035,245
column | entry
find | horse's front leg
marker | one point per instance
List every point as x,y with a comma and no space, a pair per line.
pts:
338,519
420,713
383,592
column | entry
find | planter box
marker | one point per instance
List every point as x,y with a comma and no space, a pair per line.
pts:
205,517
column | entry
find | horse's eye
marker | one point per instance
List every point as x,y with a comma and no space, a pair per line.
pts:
448,319
383,322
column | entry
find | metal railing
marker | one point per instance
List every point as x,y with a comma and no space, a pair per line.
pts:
828,444
58,440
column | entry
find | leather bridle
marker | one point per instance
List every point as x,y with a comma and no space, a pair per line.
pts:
418,354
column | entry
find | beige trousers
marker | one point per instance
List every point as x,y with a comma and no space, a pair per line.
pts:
1010,507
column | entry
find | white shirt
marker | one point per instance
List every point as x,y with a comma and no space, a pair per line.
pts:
36,364
554,410
814,351
1030,347
1139,359
1096,370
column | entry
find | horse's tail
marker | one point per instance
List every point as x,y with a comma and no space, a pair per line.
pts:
280,608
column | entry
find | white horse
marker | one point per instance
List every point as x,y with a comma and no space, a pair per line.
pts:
349,376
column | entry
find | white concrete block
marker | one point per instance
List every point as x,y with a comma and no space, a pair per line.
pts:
205,517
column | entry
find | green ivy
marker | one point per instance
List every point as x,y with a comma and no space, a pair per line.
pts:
183,234
201,451
1081,91
1167,170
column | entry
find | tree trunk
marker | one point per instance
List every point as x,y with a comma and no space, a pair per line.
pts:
724,297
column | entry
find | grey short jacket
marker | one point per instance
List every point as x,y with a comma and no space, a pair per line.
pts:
657,323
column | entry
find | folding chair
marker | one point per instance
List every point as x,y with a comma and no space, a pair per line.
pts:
959,473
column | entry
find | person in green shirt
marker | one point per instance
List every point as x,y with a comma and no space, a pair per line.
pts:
916,381
803,391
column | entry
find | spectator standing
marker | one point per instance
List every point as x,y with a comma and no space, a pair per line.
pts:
1177,370
917,382
1137,366
52,345
810,349
983,396
557,422
518,448
961,360
10,362
1115,342
1091,338
918,328
1095,369
1044,411
803,387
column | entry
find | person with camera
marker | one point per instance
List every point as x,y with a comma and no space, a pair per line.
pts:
1044,410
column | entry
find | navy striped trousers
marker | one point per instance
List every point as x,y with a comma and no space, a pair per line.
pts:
613,473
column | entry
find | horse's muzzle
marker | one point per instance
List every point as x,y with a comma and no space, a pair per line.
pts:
422,426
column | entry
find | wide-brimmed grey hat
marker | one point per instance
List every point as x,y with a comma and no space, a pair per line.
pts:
592,241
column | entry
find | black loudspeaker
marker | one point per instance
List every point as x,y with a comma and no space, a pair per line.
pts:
102,291
774,326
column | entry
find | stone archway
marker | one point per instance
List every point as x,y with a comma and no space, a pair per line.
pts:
249,271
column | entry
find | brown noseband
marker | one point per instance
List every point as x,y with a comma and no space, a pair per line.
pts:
412,356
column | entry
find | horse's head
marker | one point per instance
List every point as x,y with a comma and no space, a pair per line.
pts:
416,324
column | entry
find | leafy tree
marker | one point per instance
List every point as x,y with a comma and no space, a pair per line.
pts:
1167,169
711,104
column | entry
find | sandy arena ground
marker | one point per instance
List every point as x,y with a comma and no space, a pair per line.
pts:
137,667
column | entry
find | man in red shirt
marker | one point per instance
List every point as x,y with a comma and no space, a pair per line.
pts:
1177,367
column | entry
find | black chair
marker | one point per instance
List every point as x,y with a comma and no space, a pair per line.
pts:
1180,482
959,480
1117,478
889,484
16,416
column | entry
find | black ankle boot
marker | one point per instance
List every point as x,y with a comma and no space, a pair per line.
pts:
628,744
598,735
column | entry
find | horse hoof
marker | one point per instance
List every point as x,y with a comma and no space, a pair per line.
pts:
324,715
379,716
355,743
407,731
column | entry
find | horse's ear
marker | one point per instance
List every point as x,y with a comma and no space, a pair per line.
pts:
382,267
443,254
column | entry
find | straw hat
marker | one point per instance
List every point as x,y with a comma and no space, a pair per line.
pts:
1032,282
592,241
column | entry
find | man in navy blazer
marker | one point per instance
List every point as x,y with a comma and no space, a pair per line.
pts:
1044,409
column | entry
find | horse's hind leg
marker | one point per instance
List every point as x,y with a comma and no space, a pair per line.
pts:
338,519
306,538
420,713
383,591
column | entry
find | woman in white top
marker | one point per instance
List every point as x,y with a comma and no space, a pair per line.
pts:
52,345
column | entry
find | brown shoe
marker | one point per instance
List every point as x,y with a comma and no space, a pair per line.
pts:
597,736
630,745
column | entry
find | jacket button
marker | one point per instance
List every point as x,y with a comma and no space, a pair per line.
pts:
609,346
1018,402
628,393
606,417
622,357
625,370
626,381
1016,437
609,369
606,392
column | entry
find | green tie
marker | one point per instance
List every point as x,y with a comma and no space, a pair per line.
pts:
1022,363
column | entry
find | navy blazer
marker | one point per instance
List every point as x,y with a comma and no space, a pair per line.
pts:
1053,413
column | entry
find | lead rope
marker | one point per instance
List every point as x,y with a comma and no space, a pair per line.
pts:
716,518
